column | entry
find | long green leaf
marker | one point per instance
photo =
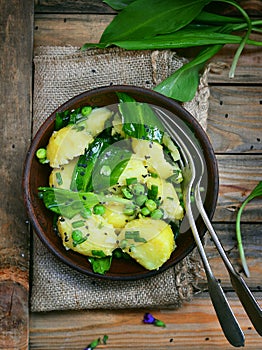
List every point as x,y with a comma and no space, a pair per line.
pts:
180,39
182,84
147,18
118,4
213,18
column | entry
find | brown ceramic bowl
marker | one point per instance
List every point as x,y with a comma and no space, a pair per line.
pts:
36,175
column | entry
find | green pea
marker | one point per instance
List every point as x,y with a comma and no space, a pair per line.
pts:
129,210
150,204
138,189
156,214
99,209
86,110
86,213
41,153
145,211
77,235
141,199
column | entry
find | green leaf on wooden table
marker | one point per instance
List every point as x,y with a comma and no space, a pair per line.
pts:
213,18
118,4
147,18
183,83
181,39
257,192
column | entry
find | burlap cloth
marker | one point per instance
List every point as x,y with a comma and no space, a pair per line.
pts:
61,73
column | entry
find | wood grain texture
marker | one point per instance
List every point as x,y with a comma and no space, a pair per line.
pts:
72,6
234,128
252,242
69,30
192,327
234,118
15,124
238,174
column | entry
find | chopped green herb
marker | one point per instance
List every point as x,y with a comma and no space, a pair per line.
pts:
126,192
134,235
131,180
98,253
152,192
59,178
78,223
100,265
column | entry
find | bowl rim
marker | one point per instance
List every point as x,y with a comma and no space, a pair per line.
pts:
167,103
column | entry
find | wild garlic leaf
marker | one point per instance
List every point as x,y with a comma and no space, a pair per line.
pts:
183,83
118,5
182,39
147,18
257,192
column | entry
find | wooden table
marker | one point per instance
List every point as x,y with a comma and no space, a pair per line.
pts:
234,127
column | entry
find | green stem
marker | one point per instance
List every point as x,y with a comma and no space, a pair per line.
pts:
244,39
239,240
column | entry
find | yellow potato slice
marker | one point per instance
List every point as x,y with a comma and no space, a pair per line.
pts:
67,143
134,169
154,244
95,123
61,177
153,156
97,234
114,215
170,202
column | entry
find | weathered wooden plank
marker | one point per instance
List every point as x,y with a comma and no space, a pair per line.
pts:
194,326
234,119
252,243
253,7
248,70
69,30
239,174
72,6
15,123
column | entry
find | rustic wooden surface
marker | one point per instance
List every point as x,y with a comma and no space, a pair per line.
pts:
16,44
234,127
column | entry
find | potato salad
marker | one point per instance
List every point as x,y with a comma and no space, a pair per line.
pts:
115,184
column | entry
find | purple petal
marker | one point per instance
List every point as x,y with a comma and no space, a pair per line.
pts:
148,318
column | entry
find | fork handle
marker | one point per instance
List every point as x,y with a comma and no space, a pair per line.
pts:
227,320
247,299
224,313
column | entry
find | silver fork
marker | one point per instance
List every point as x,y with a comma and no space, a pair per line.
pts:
247,299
